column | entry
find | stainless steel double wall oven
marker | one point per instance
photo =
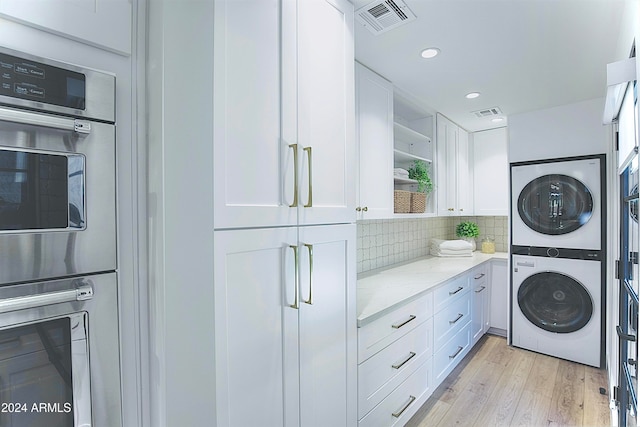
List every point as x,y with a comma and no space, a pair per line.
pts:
59,342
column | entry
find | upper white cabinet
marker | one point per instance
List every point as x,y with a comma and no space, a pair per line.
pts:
284,115
102,23
374,133
490,172
453,185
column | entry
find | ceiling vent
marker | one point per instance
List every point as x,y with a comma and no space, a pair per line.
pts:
488,112
382,16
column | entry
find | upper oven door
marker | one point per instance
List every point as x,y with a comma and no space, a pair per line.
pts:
57,196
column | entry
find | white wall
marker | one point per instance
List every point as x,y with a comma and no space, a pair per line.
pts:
41,43
564,131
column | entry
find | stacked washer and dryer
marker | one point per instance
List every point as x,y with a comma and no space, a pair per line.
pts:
558,257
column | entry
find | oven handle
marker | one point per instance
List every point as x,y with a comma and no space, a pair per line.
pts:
82,293
28,118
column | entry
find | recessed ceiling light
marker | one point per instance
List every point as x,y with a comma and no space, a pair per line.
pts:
430,52
497,119
472,95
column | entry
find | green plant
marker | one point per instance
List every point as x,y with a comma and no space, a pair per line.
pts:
420,172
467,229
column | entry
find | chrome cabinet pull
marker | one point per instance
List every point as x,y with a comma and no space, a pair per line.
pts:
365,209
453,356
404,408
460,316
456,291
358,209
296,296
479,277
310,198
411,317
310,248
482,288
401,364
295,175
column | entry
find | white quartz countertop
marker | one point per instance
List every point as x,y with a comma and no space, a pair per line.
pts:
380,291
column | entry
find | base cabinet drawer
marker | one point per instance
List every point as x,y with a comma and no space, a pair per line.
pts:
449,292
451,353
451,319
381,374
378,334
403,402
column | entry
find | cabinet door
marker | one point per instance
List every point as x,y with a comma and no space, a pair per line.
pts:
464,192
326,112
256,329
490,173
328,384
447,184
254,120
480,318
102,23
499,298
374,133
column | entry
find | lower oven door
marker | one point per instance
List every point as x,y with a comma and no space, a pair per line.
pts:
59,362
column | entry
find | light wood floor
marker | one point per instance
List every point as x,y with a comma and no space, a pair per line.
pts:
497,385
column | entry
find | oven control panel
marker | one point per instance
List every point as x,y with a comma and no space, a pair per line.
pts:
36,81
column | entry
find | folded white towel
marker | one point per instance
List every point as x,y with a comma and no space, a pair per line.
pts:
402,173
452,245
439,254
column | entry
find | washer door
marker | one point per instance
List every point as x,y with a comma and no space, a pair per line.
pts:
555,204
555,302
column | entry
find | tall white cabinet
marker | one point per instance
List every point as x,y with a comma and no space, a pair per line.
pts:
490,172
454,181
284,84
374,134
284,213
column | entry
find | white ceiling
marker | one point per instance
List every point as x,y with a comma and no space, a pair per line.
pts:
522,55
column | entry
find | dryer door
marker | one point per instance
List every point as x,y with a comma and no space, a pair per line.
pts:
555,302
555,204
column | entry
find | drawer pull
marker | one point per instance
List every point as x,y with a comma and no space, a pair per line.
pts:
400,365
480,276
460,316
404,408
456,291
411,317
482,288
453,356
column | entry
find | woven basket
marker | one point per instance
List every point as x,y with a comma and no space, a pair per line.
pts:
401,201
418,202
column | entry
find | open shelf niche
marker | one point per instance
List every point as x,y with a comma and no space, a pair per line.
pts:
413,132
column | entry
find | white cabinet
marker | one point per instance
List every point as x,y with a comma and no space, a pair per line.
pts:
284,277
394,364
283,113
499,297
453,185
479,281
285,326
326,112
374,135
490,172
102,23
452,325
